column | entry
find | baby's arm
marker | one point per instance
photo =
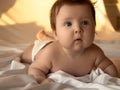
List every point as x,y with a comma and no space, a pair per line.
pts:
41,67
105,64
39,75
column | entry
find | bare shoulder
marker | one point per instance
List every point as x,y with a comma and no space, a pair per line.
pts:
96,50
101,59
98,54
103,62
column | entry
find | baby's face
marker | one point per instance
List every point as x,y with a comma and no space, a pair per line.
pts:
75,26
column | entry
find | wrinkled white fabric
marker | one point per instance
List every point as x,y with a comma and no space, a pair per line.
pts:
96,79
13,76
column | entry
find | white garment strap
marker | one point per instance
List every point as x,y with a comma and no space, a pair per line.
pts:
38,45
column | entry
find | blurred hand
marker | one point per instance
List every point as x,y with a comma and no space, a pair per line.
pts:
48,80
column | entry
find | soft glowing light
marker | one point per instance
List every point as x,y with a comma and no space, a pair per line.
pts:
25,11
37,11
7,20
102,18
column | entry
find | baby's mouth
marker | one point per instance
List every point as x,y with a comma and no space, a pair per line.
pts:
78,40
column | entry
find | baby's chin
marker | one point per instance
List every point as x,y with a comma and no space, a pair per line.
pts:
78,48
81,47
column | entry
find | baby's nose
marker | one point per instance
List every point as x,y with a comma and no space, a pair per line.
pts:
77,29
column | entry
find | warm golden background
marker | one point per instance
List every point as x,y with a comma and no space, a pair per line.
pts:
24,18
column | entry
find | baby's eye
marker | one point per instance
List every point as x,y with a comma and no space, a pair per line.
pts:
84,22
68,24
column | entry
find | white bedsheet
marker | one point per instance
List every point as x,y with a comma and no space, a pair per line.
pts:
13,76
96,79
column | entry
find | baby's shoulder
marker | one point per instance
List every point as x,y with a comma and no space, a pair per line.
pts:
95,51
98,53
50,49
48,53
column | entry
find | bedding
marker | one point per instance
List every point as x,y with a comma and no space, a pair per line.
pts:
13,74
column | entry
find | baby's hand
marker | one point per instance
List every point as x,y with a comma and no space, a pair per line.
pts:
48,80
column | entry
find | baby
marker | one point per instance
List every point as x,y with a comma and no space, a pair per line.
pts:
72,51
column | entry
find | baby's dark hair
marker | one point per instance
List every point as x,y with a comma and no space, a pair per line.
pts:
59,3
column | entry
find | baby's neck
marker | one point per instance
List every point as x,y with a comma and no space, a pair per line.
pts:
73,54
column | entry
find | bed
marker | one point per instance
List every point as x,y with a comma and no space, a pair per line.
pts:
13,74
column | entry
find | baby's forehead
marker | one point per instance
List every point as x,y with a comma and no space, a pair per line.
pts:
74,11
74,7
